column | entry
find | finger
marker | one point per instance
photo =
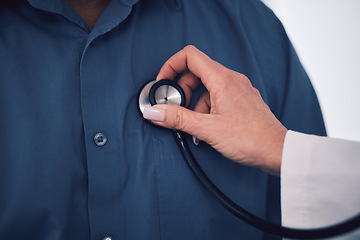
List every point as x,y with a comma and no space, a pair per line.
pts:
188,83
203,105
176,117
192,59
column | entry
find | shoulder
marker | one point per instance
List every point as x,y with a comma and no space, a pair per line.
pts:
249,13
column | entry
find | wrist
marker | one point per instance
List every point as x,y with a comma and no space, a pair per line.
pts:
272,155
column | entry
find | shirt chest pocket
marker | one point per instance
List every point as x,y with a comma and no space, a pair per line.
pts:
189,211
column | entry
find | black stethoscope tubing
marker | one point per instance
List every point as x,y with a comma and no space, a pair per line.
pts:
251,219
148,97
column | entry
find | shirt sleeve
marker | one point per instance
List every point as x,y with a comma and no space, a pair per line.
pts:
319,181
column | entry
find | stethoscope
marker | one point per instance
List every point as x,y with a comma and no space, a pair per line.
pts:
169,92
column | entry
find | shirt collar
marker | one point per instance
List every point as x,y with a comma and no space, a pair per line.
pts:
121,9
57,6
48,5
129,2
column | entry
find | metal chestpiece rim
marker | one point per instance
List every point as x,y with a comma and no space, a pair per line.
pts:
161,92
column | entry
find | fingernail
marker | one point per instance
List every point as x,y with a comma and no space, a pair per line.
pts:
155,114
195,140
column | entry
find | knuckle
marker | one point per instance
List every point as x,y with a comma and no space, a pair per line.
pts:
178,119
190,48
246,80
256,91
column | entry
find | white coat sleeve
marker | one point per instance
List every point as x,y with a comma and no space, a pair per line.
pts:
320,181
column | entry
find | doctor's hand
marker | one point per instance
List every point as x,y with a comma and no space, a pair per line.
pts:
232,117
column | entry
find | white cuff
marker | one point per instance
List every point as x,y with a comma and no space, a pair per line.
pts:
320,179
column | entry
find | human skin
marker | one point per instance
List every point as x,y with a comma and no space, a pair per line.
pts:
232,117
89,10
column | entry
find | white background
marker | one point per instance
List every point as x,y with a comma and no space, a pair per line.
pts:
326,36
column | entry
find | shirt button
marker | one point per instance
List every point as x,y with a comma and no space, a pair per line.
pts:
107,238
100,140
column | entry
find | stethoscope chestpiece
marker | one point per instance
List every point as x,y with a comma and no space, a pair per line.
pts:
161,92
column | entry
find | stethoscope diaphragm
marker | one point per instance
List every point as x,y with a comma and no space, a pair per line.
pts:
161,92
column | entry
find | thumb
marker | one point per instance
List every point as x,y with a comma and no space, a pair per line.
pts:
176,117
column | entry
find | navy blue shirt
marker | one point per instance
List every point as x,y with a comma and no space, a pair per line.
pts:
62,84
